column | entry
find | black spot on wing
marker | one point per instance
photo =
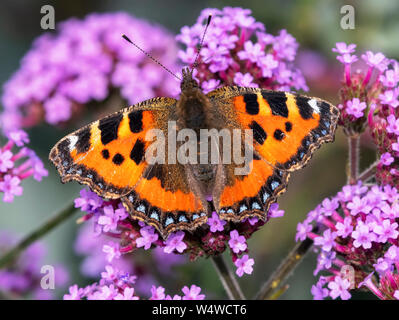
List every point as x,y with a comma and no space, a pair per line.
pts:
109,128
105,154
136,121
137,153
118,159
258,132
277,101
305,110
83,143
279,135
288,126
251,103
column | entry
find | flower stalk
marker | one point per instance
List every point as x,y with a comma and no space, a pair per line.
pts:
228,280
353,164
285,269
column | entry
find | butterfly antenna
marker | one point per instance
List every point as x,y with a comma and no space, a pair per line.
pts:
195,65
150,56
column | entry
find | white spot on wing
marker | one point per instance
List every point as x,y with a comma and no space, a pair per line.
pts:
313,104
72,142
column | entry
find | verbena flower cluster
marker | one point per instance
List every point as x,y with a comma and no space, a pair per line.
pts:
369,97
22,278
111,220
356,232
358,228
117,285
238,51
18,163
87,61
90,245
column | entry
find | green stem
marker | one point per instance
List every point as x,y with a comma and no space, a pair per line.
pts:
284,270
227,278
353,144
46,227
368,173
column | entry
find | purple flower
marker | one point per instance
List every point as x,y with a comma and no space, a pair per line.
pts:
363,236
175,242
395,146
382,265
386,159
88,201
192,293
389,97
391,77
157,293
109,220
244,265
75,293
318,292
19,137
347,58
10,187
5,160
339,288
148,236
386,230
344,228
393,125
326,241
274,212
343,48
251,52
329,206
396,294
210,85
302,230
376,60
268,63
392,253
128,294
358,205
244,80
237,243
58,109
285,46
112,251
355,108
215,223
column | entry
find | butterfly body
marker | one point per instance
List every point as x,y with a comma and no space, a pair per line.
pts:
109,155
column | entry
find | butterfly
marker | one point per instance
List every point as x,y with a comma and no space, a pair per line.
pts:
108,155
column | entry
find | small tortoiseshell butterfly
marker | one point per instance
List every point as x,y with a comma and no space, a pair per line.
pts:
109,154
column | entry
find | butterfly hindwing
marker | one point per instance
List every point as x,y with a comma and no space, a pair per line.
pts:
166,199
286,128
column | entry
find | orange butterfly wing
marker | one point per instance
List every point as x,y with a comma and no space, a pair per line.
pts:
109,156
286,128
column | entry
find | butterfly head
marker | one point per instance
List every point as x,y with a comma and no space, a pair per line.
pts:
189,85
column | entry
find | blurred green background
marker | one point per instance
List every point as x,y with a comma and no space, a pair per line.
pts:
315,25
